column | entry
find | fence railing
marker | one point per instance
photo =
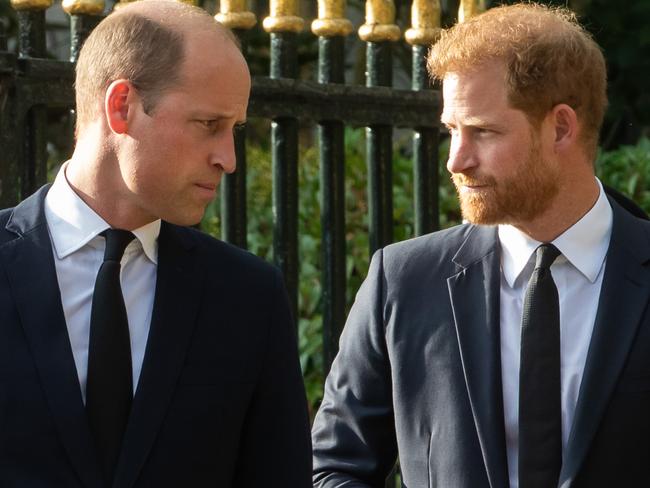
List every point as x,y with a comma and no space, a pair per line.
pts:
29,84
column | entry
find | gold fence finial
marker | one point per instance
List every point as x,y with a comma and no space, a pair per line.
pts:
83,7
331,19
31,4
233,14
380,22
283,17
425,22
470,8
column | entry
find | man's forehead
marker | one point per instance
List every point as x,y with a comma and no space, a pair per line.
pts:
473,92
479,75
206,51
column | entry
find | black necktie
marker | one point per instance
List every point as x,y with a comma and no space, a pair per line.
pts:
540,410
109,388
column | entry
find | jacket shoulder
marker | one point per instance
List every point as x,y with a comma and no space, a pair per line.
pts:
222,255
5,213
5,234
437,241
431,251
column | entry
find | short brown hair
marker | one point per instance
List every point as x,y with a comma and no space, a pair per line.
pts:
550,59
144,43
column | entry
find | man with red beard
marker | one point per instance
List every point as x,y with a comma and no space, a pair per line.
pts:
514,350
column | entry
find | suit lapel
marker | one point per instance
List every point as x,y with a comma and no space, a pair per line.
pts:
623,299
179,284
29,264
474,293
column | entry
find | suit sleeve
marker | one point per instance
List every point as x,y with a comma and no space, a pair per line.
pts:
275,449
354,434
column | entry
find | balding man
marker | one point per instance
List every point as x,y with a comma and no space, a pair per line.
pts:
134,351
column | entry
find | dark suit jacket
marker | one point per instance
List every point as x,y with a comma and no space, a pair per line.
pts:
220,401
419,371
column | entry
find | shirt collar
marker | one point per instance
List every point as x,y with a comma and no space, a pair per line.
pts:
73,224
584,244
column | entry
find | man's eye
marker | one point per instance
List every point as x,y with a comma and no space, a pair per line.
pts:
210,125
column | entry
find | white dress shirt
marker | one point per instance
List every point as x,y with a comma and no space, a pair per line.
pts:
578,275
79,252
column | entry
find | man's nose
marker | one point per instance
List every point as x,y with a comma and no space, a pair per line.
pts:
223,153
461,155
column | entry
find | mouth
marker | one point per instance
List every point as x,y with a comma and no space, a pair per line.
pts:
465,184
469,188
473,187
207,186
207,190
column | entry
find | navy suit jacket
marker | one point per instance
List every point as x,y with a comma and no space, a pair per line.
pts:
220,401
419,371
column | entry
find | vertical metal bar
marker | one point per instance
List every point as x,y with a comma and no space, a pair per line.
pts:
379,154
233,186
284,142
84,17
80,26
3,37
9,167
233,197
424,31
332,27
31,33
379,150
284,24
233,14
379,32
425,155
332,172
31,44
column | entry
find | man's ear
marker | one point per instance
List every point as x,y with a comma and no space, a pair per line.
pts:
564,121
117,102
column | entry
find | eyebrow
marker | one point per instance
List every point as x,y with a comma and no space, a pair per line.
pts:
217,116
469,122
205,114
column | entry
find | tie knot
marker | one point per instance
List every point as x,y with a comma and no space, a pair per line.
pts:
546,254
116,242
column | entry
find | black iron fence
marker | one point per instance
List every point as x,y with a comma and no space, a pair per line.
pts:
30,84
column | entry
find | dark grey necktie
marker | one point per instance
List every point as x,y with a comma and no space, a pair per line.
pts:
109,387
540,410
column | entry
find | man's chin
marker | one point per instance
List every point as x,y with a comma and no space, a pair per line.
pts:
187,219
479,212
478,218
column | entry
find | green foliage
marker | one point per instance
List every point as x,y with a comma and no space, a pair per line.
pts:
628,170
624,35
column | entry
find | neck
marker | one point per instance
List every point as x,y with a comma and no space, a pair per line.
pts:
570,205
94,175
